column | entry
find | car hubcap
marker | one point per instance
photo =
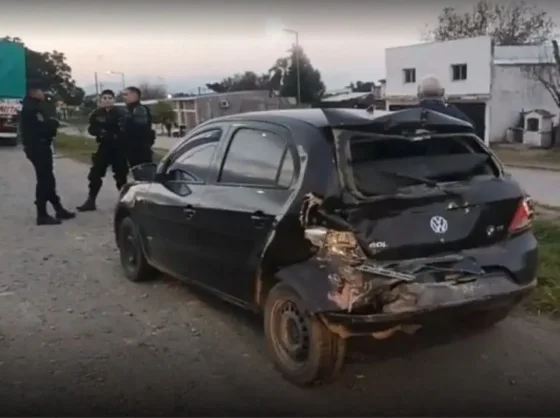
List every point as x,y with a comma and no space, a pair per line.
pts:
293,334
130,251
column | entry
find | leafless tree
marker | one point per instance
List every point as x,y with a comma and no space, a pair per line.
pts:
510,23
547,69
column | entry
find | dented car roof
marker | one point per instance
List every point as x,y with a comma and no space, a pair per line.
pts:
339,118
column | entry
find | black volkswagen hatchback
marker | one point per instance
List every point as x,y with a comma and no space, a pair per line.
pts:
334,223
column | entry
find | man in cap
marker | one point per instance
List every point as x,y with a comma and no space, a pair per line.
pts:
431,95
37,131
136,129
104,126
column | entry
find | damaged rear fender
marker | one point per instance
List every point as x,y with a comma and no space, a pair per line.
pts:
310,281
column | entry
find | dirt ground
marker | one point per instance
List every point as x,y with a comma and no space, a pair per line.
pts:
77,339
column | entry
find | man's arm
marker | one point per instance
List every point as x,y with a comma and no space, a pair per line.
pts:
31,125
94,127
142,124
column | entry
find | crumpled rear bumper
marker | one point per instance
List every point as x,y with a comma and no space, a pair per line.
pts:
422,303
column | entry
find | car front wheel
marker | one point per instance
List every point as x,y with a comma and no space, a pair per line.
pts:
133,261
302,347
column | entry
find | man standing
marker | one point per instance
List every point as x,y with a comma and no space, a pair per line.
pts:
136,129
431,95
104,125
37,132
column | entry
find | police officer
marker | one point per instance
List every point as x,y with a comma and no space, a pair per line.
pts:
431,96
37,131
104,125
136,129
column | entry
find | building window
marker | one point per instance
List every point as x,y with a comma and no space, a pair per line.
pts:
409,75
459,72
532,125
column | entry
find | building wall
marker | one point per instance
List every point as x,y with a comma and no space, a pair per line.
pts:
436,59
514,91
239,102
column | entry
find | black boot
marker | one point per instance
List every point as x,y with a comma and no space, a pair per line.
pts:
88,205
61,213
43,218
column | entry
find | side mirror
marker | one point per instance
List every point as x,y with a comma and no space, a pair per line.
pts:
178,187
144,172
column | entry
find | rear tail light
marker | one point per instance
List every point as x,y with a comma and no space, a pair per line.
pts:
523,218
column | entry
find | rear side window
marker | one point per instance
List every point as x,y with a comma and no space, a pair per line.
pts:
383,165
257,158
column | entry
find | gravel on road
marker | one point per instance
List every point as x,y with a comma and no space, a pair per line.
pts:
77,339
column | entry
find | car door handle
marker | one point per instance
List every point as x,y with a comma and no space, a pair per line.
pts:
189,212
259,219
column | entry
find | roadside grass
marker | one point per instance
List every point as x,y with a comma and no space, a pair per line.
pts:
80,148
545,299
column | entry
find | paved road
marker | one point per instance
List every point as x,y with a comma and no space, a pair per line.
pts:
76,338
542,185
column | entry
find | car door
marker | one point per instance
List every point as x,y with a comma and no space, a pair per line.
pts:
175,200
253,183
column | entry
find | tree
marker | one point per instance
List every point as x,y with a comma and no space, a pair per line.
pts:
547,71
50,70
513,23
164,113
312,87
361,86
281,77
152,91
277,72
249,80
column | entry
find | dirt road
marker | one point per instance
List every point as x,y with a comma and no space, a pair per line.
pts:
542,185
77,339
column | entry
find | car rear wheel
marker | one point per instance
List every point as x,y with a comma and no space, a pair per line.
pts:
133,261
302,347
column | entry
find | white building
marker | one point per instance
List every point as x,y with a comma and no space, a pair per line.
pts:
491,84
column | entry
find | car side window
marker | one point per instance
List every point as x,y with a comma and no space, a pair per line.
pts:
193,163
257,158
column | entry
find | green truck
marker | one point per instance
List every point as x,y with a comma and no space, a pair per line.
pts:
13,87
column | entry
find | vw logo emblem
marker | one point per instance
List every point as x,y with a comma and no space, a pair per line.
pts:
438,224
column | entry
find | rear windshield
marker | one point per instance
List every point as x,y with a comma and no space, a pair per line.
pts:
381,166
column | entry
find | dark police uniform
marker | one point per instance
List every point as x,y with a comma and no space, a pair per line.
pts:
104,126
137,134
37,132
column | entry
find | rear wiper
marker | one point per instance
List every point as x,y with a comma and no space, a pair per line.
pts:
423,180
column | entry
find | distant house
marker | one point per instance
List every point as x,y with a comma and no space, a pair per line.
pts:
489,83
193,110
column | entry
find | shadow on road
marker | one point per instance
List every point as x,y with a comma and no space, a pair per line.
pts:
363,350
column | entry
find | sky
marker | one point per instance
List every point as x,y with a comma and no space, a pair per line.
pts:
185,44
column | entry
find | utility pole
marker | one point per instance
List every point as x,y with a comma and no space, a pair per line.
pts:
297,57
96,86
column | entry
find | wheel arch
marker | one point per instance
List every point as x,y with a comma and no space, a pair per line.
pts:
121,213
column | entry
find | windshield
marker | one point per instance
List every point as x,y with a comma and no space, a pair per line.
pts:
381,165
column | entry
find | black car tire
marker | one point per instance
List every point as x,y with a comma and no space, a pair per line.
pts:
325,351
486,319
133,261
